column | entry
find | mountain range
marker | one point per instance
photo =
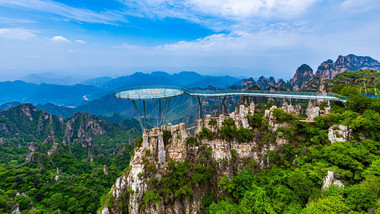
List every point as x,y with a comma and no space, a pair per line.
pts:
79,94
95,96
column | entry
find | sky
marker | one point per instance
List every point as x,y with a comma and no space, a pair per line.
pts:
90,38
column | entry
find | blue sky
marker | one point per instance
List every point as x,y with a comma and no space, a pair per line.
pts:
237,37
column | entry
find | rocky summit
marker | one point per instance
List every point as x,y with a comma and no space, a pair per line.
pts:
301,77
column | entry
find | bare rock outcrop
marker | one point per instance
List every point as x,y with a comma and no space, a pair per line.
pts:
49,140
32,147
105,170
301,77
339,133
54,149
331,180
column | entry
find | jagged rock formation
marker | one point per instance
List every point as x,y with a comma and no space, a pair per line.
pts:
329,69
282,84
331,180
246,83
301,77
339,133
264,83
313,111
305,80
154,160
25,121
351,63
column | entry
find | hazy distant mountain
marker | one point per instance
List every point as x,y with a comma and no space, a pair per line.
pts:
99,81
220,82
57,110
50,78
184,78
9,105
66,95
75,95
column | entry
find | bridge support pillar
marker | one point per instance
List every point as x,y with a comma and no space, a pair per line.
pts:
222,106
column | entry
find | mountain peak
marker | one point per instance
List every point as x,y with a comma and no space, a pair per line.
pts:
301,77
351,63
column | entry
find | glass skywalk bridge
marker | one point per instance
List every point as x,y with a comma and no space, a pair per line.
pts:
161,93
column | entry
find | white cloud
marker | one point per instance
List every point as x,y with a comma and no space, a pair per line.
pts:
238,41
218,14
48,6
7,20
246,8
16,33
127,46
80,41
58,39
360,6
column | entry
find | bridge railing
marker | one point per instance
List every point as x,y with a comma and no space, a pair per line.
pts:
147,87
200,92
190,91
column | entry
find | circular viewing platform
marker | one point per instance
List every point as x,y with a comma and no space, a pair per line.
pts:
149,92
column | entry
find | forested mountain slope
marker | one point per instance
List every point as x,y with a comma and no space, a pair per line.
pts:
260,160
49,163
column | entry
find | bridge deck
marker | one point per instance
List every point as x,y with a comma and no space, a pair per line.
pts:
145,93
165,93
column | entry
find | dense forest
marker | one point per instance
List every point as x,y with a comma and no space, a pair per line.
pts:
50,165
293,183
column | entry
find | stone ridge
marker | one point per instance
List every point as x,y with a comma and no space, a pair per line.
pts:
227,156
305,79
329,69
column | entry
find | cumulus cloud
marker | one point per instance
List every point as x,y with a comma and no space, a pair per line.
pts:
59,39
16,33
80,41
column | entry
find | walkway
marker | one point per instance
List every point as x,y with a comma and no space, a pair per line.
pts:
165,93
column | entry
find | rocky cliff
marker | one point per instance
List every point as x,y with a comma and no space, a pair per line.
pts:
24,124
171,170
307,81
329,69
301,77
351,63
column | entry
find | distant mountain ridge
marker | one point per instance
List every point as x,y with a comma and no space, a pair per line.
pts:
80,94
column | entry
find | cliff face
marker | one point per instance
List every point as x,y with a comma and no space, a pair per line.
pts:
246,83
172,171
301,77
24,124
307,81
351,63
